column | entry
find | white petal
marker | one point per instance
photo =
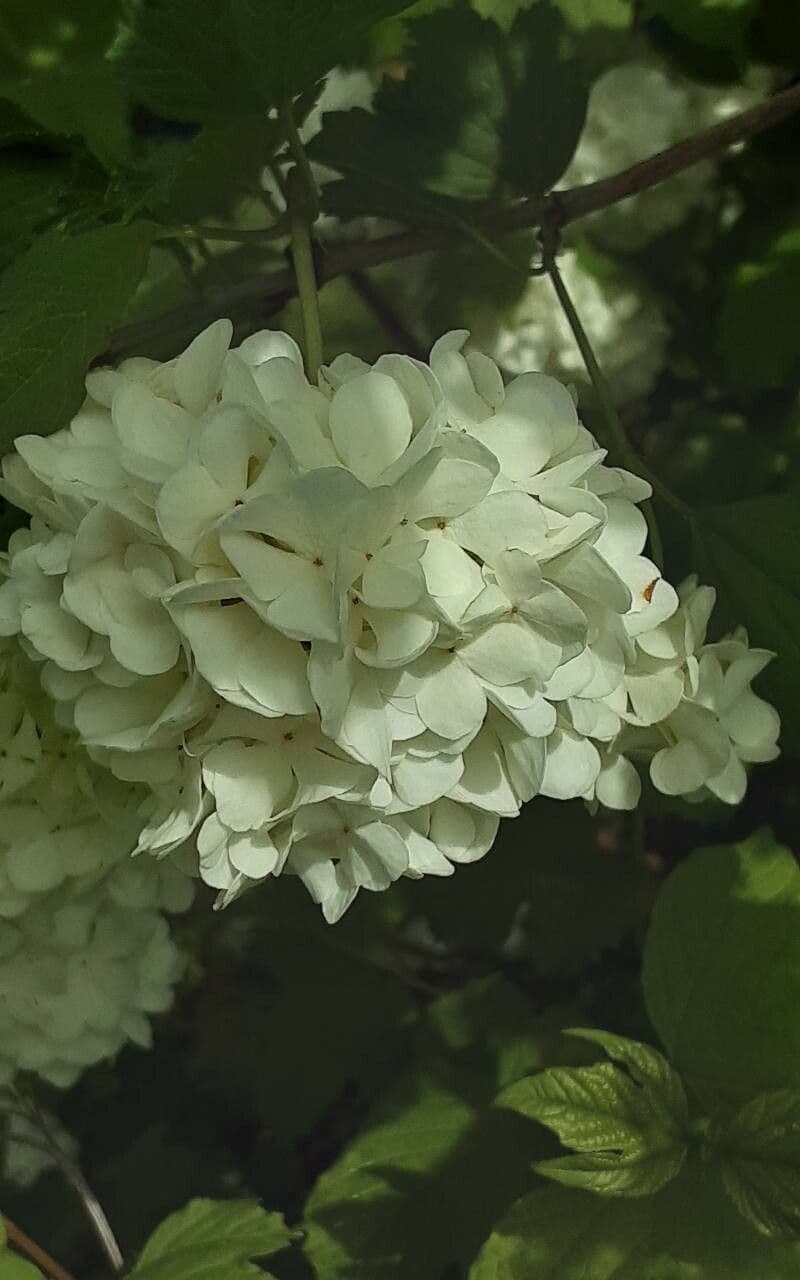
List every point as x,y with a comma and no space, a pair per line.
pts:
370,424
572,765
199,368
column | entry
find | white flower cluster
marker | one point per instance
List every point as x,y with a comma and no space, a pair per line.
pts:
628,328
636,110
85,952
341,629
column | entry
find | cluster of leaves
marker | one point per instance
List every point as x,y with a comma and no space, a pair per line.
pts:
390,1086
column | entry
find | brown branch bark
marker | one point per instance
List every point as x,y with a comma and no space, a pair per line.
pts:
559,208
33,1252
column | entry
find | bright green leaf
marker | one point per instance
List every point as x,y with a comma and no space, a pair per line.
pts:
59,303
688,1231
628,1126
757,335
722,968
737,549
760,1150
12,1266
477,112
212,1240
418,1189
290,46
436,1163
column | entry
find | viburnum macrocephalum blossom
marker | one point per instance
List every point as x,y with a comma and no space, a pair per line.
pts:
339,630
85,951
635,110
629,331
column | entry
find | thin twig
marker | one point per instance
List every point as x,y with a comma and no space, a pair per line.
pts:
386,314
34,1252
73,1174
560,208
620,446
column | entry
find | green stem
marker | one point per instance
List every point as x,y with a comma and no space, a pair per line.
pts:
300,158
305,274
303,207
619,445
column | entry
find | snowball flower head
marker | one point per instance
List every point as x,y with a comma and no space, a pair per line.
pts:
85,951
337,630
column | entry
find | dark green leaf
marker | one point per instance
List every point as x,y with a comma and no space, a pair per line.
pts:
351,1026
719,23
760,1149
478,112
222,162
750,550
757,334
83,99
59,303
290,46
722,968
15,126
182,59
31,190
688,1231
570,899
629,1126
212,1240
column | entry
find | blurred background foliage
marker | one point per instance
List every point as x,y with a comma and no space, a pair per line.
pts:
296,1052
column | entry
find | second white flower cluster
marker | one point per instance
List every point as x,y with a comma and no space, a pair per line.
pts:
340,630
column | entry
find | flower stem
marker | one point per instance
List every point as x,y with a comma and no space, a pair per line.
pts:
619,446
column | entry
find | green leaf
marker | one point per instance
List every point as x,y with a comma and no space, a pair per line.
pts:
757,325
83,99
750,550
182,59
351,1026
290,46
212,1240
722,968
571,900
436,1163
41,36
31,190
688,1231
722,24
15,126
221,163
419,1189
477,113
12,1266
581,15
760,1150
58,304
54,71
629,1126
